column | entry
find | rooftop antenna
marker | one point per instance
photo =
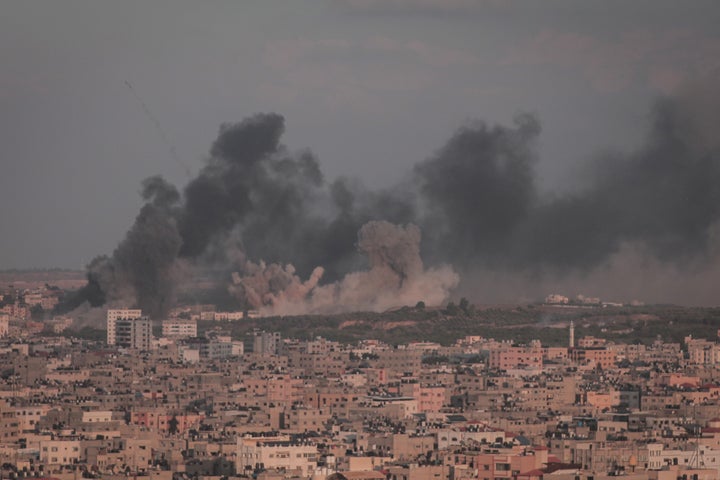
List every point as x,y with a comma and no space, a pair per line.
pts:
158,128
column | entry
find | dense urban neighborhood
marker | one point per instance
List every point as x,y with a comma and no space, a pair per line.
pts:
187,398
360,240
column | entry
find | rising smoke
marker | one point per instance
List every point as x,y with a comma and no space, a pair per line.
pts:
478,189
144,268
268,214
396,277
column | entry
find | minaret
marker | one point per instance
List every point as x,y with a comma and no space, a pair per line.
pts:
572,334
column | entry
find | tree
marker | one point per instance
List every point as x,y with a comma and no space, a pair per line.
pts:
464,305
452,309
420,305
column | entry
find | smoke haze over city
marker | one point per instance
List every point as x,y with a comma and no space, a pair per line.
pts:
476,198
386,167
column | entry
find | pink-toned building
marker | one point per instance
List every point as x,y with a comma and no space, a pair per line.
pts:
600,356
600,400
590,342
376,376
160,420
492,466
429,398
333,398
284,389
508,357
16,311
555,353
255,386
678,379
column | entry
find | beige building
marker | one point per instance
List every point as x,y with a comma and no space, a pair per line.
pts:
702,352
4,324
28,416
9,425
399,362
60,452
178,327
511,357
97,416
112,317
275,453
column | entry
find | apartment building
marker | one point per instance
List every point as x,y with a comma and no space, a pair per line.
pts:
509,357
277,452
179,328
112,317
135,333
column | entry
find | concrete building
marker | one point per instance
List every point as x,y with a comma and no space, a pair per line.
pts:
60,452
702,352
4,324
178,327
399,362
512,357
112,318
133,333
275,453
229,316
266,343
595,356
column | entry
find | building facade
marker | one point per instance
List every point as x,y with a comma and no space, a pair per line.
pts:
135,333
112,318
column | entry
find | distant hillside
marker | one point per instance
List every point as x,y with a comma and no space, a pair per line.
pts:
66,279
520,323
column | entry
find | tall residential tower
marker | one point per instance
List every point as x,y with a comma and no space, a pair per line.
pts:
128,328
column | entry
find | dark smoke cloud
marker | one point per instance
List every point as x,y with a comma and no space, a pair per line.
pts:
143,268
256,188
664,196
253,196
220,196
268,213
478,189
482,206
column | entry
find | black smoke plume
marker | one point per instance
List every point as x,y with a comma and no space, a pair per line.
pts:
478,189
665,196
257,207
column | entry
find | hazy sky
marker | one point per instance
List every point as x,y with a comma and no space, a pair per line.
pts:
371,86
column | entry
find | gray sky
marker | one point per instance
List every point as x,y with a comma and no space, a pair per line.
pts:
371,86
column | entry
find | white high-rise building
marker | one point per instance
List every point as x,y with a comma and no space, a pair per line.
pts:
112,318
